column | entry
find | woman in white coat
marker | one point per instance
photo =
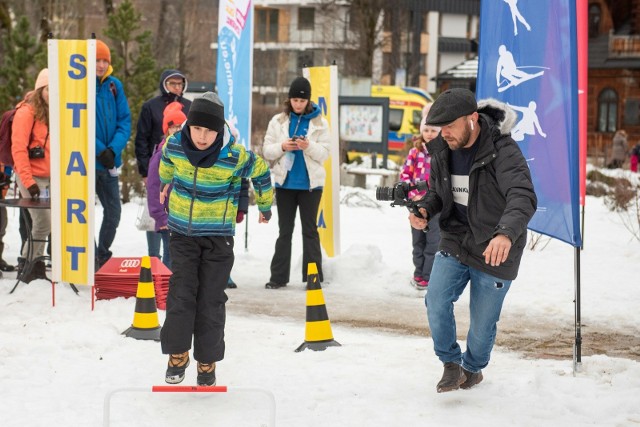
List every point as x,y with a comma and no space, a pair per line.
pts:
297,144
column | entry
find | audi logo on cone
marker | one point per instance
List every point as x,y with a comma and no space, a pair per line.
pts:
130,263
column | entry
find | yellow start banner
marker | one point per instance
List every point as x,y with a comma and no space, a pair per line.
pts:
324,83
72,94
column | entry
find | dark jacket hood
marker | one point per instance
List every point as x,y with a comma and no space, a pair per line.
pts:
163,78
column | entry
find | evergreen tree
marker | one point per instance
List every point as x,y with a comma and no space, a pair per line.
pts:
134,64
23,58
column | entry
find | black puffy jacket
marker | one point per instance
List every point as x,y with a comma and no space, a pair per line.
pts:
501,195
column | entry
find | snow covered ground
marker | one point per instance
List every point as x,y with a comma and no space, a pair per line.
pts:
59,363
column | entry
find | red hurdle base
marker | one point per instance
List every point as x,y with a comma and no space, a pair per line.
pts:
188,389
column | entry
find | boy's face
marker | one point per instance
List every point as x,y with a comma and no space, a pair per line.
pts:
101,67
202,137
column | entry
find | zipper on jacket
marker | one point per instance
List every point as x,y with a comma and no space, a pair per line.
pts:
193,200
226,205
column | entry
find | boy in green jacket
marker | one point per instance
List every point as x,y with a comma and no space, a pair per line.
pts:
205,167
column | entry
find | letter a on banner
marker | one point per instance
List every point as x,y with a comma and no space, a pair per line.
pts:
72,95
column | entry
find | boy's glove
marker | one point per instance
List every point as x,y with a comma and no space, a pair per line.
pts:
34,190
240,217
267,214
107,158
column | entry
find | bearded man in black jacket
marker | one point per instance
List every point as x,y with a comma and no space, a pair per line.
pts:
481,186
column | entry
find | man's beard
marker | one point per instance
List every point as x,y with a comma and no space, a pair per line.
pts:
456,144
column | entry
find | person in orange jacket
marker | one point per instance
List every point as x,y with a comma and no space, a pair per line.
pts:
30,151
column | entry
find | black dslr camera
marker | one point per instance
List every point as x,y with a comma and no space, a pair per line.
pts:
398,195
36,153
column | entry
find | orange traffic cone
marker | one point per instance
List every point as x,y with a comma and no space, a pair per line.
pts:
145,324
318,334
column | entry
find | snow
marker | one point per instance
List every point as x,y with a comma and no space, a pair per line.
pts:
58,363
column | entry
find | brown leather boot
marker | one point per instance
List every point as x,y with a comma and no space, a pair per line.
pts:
472,378
452,377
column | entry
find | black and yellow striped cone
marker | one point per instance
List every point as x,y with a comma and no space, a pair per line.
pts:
317,334
145,324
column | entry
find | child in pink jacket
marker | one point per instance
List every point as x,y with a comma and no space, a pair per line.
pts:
425,243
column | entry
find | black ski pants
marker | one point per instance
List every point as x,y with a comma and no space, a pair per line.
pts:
196,300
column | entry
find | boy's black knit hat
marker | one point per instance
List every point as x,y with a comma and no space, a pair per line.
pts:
207,111
300,88
450,105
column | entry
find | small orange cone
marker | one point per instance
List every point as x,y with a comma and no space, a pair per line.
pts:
145,324
318,334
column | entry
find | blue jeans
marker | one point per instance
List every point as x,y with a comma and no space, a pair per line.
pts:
108,191
448,280
153,244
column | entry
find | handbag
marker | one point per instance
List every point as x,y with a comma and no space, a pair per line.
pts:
144,222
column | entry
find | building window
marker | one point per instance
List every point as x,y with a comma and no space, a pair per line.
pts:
607,110
594,20
632,112
306,17
266,25
305,59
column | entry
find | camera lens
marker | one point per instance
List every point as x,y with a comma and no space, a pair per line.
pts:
384,193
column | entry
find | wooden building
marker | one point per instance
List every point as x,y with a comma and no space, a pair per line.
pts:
614,74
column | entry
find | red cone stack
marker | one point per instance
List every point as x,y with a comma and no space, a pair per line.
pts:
119,278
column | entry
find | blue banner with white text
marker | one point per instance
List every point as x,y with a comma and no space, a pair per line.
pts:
528,59
234,72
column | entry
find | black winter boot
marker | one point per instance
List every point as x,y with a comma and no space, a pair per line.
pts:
175,368
3,264
206,374
38,271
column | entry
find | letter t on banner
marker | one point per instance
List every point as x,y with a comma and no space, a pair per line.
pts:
72,99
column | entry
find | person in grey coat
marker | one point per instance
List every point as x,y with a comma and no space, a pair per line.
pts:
481,186
619,149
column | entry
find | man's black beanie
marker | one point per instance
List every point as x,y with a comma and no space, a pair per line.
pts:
207,111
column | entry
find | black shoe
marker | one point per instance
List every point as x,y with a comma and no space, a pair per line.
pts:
175,368
6,267
231,284
274,285
207,374
452,377
472,378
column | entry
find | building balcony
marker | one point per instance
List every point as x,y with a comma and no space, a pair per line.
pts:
624,46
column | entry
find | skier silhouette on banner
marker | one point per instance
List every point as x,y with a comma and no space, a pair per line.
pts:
516,15
529,123
507,71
